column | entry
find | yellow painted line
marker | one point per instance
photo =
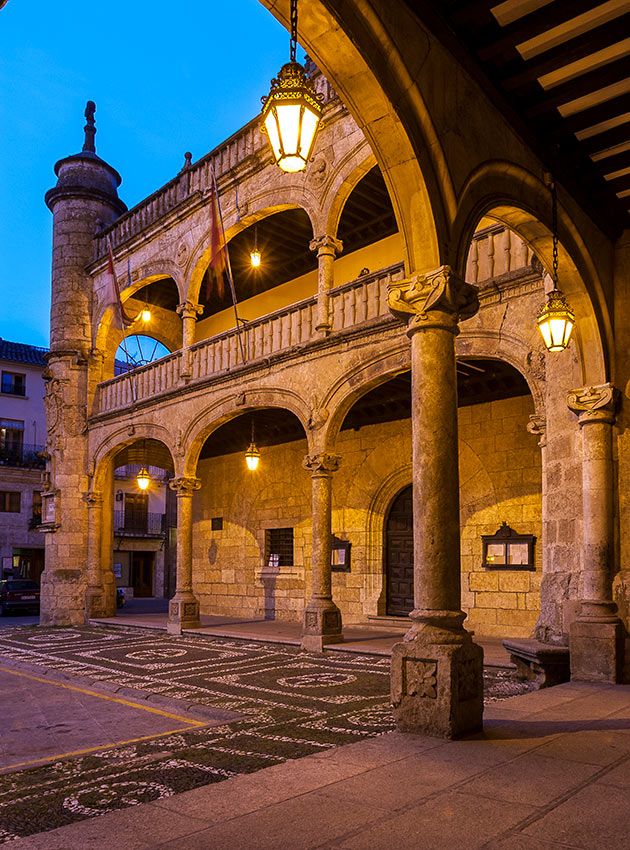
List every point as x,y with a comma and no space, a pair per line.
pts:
98,695
45,759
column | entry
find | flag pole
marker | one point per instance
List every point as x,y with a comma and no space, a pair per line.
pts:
228,268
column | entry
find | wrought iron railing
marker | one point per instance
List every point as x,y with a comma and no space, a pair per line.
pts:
139,524
22,454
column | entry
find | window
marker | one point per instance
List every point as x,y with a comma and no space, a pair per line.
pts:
36,518
279,547
216,523
10,502
13,383
508,550
11,436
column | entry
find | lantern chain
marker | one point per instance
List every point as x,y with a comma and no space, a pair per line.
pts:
294,25
554,228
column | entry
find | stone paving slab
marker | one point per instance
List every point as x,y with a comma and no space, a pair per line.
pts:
496,790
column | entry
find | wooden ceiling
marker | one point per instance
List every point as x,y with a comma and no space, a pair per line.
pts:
283,239
559,70
478,381
161,293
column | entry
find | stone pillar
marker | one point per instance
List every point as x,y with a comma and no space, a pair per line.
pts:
189,312
84,200
327,248
596,638
183,609
437,671
322,618
95,595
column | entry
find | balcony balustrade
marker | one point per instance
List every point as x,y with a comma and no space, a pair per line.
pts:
139,524
25,455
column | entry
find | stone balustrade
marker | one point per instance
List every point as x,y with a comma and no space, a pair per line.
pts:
496,251
353,304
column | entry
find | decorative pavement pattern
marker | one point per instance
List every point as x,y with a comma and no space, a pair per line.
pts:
289,704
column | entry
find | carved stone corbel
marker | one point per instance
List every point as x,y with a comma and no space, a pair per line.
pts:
437,298
324,463
594,403
184,486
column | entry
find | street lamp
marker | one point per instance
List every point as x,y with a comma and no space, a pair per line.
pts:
291,111
556,318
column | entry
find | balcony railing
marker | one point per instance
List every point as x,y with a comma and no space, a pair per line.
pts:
23,454
352,305
132,524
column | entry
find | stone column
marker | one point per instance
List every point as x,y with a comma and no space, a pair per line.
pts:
183,609
95,595
322,618
327,248
437,671
596,638
189,312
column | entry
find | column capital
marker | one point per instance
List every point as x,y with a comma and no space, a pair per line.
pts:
189,310
438,298
594,403
326,244
184,486
93,499
323,463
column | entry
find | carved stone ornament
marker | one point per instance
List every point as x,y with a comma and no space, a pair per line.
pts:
323,463
53,402
326,245
93,499
594,404
184,486
440,291
318,170
319,415
421,678
188,310
182,254
537,426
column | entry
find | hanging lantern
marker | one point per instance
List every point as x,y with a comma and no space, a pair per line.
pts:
291,111
255,257
145,315
556,318
143,478
252,455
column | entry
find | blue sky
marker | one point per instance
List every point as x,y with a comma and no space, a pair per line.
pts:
166,78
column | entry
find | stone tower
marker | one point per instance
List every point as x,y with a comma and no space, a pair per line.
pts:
84,201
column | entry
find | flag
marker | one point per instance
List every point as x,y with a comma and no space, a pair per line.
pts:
123,320
218,248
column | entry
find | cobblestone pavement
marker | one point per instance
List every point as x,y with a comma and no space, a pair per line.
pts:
289,704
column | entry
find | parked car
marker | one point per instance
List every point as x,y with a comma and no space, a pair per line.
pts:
19,594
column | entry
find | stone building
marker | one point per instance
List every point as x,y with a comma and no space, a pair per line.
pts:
420,450
22,439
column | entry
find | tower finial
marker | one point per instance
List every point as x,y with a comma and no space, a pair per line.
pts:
90,127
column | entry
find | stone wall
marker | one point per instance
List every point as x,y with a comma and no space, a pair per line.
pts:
500,481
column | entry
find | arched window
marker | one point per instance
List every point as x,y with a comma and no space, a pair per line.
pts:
137,350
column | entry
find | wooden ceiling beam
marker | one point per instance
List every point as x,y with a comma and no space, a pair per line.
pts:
581,86
598,114
608,139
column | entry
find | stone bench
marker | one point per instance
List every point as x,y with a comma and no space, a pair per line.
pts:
544,663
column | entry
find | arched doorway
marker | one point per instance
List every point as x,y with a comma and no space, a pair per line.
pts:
399,555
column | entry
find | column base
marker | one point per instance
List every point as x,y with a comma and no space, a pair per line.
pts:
62,598
437,678
183,613
597,643
98,602
322,625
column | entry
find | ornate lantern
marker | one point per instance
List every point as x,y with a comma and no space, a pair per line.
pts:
143,479
252,455
556,318
255,257
291,111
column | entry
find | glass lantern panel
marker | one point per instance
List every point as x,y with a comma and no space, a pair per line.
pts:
289,126
271,125
309,127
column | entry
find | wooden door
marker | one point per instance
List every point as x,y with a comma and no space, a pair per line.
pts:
142,573
399,555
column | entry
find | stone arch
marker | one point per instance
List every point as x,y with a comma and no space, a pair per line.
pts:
378,509
119,439
150,273
492,345
233,406
520,200
345,178
259,207
416,175
358,381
